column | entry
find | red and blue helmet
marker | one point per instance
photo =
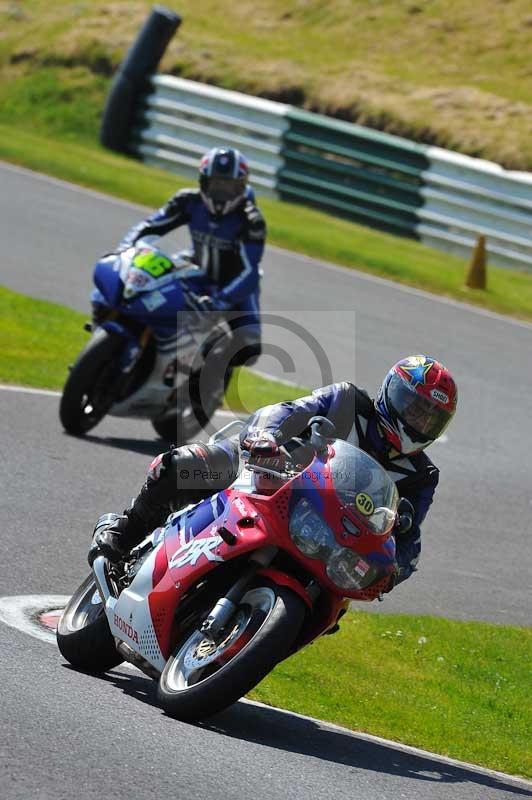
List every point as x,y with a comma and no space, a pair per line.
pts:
415,403
223,176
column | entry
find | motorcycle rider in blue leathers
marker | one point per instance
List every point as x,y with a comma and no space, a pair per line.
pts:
416,402
228,233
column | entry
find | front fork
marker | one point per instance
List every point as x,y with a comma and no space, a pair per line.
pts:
213,627
134,345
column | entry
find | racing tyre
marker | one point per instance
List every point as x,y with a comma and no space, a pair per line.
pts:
83,634
202,677
87,394
196,414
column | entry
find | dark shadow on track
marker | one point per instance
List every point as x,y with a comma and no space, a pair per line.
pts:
142,446
283,731
132,684
286,732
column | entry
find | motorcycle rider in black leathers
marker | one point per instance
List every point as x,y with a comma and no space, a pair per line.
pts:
415,404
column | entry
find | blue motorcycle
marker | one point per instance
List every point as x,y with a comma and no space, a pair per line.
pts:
152,354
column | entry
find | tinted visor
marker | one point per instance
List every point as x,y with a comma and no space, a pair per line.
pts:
417,412
222,190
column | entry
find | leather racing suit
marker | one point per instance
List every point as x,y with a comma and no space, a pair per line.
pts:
228,250
193,472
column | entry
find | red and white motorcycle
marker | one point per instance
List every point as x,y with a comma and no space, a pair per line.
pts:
211,602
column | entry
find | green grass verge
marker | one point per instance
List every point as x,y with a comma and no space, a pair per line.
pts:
290,226
461,689
39,339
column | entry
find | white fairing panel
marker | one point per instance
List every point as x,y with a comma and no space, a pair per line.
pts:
130,618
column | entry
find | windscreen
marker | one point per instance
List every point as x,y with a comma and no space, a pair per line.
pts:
364,487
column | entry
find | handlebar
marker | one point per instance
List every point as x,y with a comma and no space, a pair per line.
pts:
321,429
303,448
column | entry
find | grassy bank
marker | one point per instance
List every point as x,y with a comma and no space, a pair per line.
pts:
452,74
291,226
461,689
56,62
39,339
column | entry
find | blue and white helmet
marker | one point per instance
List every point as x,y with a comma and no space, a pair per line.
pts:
223,176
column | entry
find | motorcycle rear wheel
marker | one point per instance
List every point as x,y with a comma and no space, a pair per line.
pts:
199,399
86,397
182,427
201,678
83,634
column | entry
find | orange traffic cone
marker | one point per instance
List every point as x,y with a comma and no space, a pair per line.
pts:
476,277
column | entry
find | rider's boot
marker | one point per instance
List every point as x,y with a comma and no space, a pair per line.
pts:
115,535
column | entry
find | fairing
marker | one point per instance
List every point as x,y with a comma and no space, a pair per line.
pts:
133,292
236,523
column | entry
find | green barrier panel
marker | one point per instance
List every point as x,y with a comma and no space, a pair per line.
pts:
362,174
366,214
345,192
352,152
394,147
310,164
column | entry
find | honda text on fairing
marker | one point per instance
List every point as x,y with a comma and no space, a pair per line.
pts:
208,604
148,348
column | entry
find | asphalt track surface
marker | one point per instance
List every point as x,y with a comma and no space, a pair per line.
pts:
65,734
476,557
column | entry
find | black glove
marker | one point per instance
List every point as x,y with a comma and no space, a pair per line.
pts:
393,580
263,450
405,516
207,304
108,538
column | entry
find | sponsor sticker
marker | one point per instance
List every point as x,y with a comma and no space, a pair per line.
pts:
361,567
154,300
126,628
437,394
192,551
241,507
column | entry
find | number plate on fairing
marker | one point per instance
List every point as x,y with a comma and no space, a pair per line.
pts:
144,271
152,262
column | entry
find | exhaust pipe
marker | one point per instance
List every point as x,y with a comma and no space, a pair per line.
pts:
128,654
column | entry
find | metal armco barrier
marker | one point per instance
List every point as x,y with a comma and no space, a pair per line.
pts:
442,198
466,197
178,120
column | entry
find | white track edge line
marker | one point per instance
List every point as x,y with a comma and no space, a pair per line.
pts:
18,604
74,187
406,748
4,387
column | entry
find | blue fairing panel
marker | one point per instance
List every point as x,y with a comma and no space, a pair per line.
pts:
107,279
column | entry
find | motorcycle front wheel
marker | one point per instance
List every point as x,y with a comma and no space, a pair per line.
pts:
83,634
202,677
87,395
